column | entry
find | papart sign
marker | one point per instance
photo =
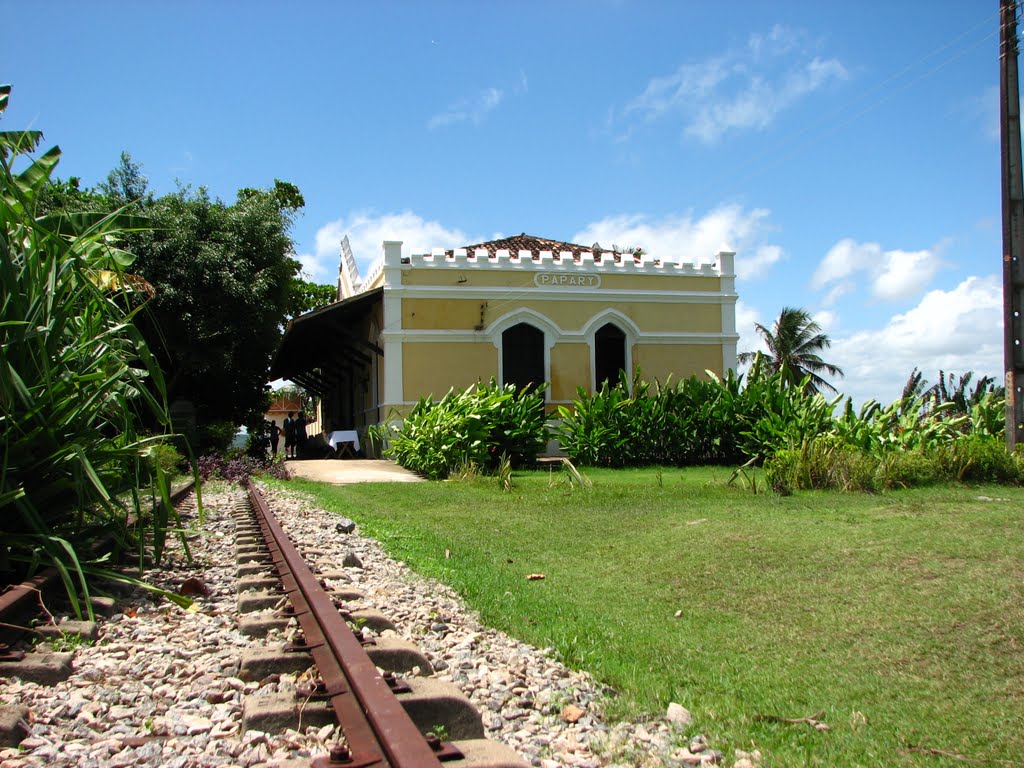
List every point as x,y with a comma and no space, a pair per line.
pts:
565,280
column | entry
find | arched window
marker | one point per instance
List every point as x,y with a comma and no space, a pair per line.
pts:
609,354
522,355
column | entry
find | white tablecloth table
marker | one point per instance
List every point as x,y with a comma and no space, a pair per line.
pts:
340,440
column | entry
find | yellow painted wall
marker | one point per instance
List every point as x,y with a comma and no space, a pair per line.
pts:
570,368
660,283
657,361
666,318
469,277
435,367
464,314
435,314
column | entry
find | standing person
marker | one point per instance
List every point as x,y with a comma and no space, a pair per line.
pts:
275,438
289,435
300,431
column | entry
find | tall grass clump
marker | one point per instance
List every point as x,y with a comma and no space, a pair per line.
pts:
638,423
696,421
911,443
476,426
802,439
77,381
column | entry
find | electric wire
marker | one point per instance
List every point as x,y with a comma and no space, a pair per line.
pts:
791,146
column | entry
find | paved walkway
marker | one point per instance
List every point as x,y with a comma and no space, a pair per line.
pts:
345,471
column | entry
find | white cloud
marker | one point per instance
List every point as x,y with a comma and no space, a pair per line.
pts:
760,101
366,234
763,259
897,274
779,40
742,89
837,292
904,274
524,83
472,109
682,238
843,259
956,331
827,319
750,340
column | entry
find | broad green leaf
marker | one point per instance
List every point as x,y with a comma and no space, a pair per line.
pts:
33,177
19,142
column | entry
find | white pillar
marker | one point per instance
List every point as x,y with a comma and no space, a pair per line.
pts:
727,270
392,264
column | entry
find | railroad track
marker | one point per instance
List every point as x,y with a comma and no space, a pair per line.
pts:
318,667
21,604
383,718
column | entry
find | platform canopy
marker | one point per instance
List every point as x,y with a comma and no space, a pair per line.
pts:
321,349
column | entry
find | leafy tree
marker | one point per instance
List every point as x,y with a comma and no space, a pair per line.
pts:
793,345
915,387
225,281
223,278
307,296
126,184
915,391
957,390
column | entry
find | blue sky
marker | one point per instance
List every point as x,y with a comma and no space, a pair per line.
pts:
848,152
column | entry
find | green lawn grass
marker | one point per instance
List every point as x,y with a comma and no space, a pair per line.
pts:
898,616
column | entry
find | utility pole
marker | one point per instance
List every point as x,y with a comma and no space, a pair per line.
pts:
1013,223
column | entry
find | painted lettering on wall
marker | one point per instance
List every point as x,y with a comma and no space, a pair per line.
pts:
564,280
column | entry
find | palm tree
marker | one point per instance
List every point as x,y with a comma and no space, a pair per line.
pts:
793,344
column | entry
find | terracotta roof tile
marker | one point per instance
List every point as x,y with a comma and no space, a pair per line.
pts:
535,245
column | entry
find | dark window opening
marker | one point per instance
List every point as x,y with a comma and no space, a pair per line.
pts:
609,354
522,356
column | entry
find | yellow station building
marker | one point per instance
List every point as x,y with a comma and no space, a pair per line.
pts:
521,309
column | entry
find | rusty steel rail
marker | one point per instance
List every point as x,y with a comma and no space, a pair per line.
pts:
377,729
16,598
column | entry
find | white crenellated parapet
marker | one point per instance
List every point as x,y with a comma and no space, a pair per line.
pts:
372,274
392,253
727,270
721,265
392,262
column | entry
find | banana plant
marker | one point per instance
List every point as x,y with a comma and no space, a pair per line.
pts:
78,381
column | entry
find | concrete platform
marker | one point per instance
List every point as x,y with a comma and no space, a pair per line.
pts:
346,471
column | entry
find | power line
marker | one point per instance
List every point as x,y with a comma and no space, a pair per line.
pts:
841,117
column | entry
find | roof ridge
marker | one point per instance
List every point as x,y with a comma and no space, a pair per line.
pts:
535,245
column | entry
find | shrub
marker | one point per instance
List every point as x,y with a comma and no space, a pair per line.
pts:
908,469
168,459
979,459
236,467
822,463
474,426
595,431
696,421
826,463
216,436
641,423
